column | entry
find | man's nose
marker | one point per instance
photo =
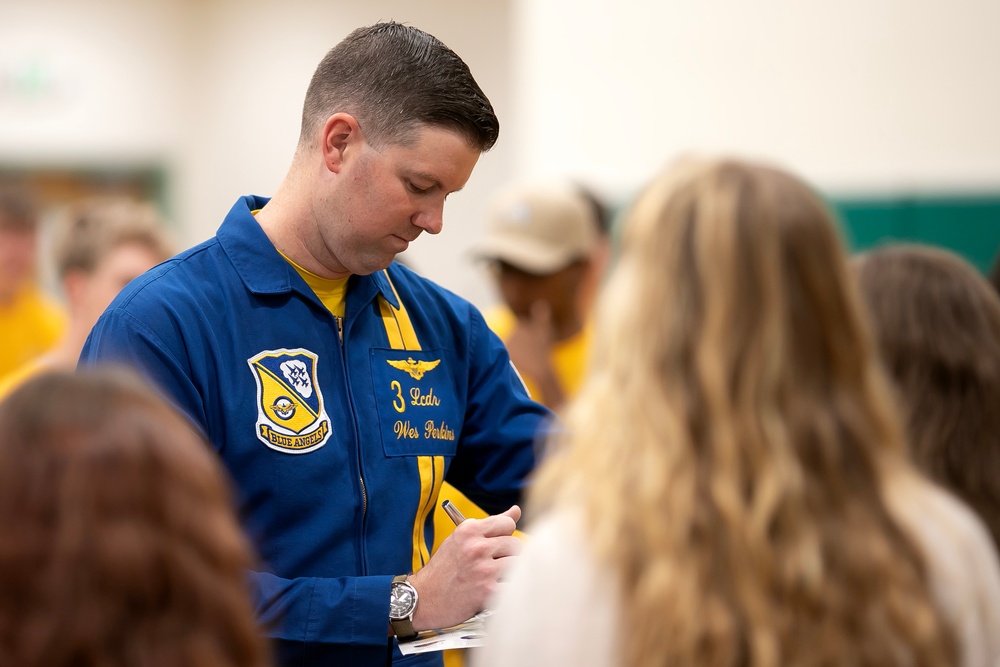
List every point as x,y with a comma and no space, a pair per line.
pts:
430,219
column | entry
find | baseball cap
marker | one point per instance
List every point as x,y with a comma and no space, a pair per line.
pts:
539,228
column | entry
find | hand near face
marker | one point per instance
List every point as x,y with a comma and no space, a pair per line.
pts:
530,347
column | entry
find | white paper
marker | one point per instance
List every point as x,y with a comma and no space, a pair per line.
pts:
469,634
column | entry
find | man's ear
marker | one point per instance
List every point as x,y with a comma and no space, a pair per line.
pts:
340,132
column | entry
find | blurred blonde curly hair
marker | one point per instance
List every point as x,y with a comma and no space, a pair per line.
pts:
731,444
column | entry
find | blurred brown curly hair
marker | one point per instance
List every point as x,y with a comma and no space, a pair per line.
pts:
118,539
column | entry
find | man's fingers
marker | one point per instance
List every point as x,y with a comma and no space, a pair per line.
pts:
500,524
494,548
506,546
514,513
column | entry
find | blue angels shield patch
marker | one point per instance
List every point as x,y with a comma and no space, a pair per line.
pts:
291,416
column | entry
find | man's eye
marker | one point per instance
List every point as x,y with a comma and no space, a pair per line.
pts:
414,189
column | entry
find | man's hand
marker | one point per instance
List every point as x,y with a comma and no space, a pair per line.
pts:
463,573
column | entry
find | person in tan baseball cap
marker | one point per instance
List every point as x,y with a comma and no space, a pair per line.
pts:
540,242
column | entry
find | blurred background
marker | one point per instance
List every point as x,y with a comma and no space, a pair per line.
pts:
890,107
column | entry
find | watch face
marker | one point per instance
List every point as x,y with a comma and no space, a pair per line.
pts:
402,600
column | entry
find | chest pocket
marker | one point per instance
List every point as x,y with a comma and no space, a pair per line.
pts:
418,407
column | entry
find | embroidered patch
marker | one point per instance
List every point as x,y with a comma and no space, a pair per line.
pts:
291,416
416,369
418,404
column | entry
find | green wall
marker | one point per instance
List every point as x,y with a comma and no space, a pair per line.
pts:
967,224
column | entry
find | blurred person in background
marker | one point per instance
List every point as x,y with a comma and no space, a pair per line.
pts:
733,486
31,321
937,324
119,544
104,243
539,245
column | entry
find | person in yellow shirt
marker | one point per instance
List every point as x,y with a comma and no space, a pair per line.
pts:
541,244
31,321
104,243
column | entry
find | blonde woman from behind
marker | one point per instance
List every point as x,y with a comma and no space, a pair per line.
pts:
733,486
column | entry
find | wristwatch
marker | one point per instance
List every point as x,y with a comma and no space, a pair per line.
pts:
402,604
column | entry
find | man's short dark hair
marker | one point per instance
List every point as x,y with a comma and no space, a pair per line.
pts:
394,78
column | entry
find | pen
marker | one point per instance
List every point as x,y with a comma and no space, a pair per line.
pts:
452,512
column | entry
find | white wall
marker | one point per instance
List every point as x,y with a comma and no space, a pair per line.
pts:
90,81
857,95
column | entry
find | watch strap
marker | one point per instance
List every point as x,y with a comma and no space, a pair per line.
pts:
402,627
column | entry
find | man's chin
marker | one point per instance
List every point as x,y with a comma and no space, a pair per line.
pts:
372,267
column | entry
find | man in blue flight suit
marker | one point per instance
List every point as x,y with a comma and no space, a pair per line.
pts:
339,388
